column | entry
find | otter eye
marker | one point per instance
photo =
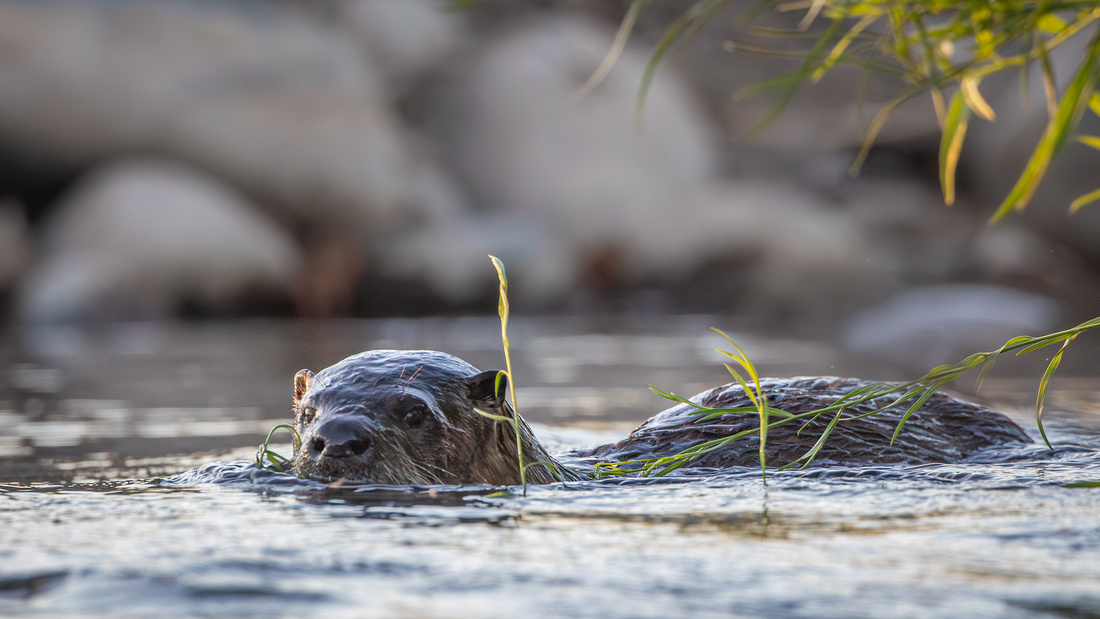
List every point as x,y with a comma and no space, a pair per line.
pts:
416,416
306,415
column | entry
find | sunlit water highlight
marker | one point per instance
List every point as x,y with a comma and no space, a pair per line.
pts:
1014,535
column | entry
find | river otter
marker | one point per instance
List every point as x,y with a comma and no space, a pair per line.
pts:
412,417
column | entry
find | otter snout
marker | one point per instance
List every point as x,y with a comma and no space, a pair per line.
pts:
340,438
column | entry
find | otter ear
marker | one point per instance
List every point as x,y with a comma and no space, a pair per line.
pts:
488,387
302,380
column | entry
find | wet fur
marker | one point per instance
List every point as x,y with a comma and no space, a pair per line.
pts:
944,429
453,444
449,442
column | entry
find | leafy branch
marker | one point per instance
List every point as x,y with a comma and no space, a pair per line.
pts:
933,46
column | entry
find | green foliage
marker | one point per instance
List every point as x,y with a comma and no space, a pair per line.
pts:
756,395
271,461
934,46
502,310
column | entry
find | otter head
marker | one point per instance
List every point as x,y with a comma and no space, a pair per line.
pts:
406,417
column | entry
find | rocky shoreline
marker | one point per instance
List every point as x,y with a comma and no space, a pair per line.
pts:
349,157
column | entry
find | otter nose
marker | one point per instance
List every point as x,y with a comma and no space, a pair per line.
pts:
340,438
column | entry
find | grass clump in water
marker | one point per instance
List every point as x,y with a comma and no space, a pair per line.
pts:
269,460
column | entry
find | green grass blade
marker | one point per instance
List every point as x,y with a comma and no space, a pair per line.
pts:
492,416
504,309
913,408
795,79
951,141
760,399
838,50
809,456
1057,132
671,35
274,461
617,47
668,395
1044,384
462,5
1089,140
987,367
744,386
878,122
1084,200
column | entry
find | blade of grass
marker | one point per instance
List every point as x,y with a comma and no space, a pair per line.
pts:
1044,384
809,456
1084,200
276,461
617,47
503,310
974,100
914,407
838,49
671,35
954,131
760,399
1054,137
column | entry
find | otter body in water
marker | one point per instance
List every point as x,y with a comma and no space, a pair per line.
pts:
423,417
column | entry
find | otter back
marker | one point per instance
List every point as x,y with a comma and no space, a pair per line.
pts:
944,429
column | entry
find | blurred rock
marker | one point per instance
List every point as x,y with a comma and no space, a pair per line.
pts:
612,204
137,239
267,97
582,168
408,38
924,327
400,144
745,246
325,286
774,251
452,257
917,238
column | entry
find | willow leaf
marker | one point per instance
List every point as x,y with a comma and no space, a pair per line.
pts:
1056,133
1044,384
951,141
1084,200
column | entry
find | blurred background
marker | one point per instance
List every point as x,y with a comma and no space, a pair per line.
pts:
166,159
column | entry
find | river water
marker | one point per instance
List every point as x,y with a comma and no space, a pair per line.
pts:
96,427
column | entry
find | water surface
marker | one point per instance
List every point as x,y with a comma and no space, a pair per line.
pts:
92,521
